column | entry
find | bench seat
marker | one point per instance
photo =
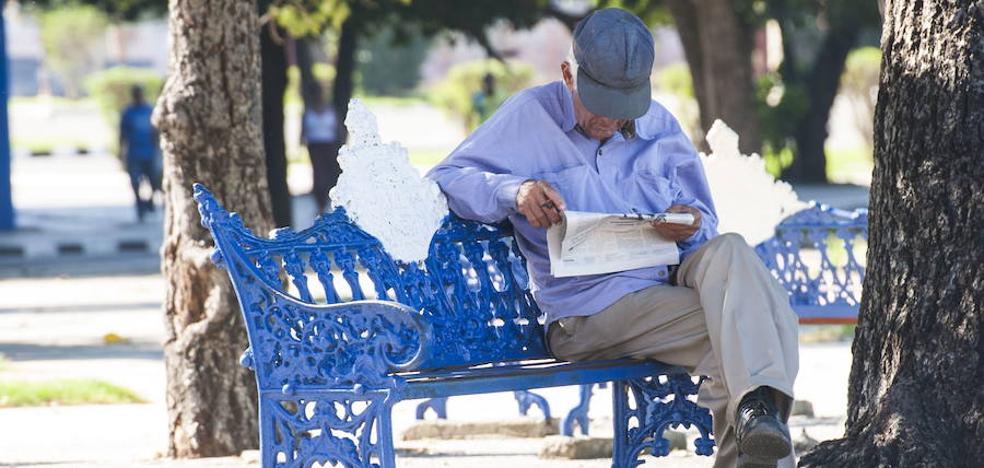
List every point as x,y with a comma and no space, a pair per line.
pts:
528,375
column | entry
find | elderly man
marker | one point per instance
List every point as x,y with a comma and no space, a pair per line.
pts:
597,142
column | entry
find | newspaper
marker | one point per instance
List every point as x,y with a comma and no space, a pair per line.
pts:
595,243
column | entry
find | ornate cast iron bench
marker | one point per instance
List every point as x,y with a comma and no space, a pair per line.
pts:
817,254
339,333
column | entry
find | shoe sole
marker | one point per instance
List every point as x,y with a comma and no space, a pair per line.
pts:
746,461
764,447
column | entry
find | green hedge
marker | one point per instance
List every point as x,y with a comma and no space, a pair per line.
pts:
111,89
454,93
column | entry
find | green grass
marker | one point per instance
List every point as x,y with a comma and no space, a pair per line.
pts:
826,333
392,101
427,157
63,392
845,165
417,157
49,144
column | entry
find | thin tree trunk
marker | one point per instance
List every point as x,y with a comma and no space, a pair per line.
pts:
685,17
344,85
210,125
305,62
810,163
915,387
717,46
274,71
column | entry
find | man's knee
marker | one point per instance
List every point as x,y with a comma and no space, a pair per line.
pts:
729,240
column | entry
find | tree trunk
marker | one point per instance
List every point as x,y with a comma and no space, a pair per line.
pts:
274,72
209,120
717,44
915,388
685,17
305,62
810,163
344,85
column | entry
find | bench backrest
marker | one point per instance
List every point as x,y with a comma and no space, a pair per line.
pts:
472,290
818,256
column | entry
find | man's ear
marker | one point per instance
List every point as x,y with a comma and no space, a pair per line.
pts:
565,71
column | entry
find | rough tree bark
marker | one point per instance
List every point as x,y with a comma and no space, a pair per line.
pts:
915,394
209,121
274,71
717,45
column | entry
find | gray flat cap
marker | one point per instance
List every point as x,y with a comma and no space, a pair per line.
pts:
614,53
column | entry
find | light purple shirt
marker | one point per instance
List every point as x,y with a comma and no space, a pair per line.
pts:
533,136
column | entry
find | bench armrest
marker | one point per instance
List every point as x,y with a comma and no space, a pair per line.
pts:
355,345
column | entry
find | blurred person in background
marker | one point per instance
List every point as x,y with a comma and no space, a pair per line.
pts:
138,144
484,101
319,132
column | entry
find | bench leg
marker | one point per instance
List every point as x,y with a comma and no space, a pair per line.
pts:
644,408
578,414
345,429
527,399
438,405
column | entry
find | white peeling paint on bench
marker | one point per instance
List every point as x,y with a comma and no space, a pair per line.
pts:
383,193
747,198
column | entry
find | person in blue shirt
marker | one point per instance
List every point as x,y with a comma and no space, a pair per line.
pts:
597,142
138,143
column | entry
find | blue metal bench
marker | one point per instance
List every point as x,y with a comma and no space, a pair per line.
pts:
332,355
817,255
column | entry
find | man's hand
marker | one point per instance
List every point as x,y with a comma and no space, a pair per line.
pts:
678,232
540,203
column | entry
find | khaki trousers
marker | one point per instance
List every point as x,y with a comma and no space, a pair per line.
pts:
729,320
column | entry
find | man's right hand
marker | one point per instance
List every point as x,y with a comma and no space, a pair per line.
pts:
542,205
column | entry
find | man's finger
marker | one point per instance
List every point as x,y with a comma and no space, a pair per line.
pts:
553,213
548,208
554,196
537,201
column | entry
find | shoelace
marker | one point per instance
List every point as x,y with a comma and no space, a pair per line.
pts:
754,408
751,409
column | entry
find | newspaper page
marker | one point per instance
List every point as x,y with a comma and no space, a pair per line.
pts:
594,243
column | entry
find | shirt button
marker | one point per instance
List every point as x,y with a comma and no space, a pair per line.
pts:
599,152
661,274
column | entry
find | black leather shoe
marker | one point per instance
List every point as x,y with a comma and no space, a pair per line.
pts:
760,428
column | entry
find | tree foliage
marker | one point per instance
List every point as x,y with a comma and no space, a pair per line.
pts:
116,10
72,38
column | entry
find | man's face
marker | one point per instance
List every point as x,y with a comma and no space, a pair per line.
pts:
595,126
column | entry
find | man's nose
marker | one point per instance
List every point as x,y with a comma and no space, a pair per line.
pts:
609,123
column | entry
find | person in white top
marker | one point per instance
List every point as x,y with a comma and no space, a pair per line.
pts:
319,132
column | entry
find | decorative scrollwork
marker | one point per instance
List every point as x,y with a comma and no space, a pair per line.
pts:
817,255
358,345
660,402
527,399
340,430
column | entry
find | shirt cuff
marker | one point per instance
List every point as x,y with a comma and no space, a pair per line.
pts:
505,194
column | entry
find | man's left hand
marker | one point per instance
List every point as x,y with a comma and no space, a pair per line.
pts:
678,232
